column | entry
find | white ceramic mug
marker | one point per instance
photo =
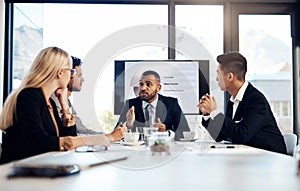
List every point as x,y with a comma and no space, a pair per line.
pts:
131,137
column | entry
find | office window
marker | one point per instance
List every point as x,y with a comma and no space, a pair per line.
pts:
73,27
78,28
266,42
204,24
28,38
281,108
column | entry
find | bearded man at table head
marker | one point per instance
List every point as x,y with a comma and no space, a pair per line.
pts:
167,114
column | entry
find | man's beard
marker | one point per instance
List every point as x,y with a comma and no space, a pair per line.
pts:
72,88
150,96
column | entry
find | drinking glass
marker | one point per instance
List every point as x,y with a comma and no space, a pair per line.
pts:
148,132
140,130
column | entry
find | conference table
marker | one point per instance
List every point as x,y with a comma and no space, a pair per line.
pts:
189,166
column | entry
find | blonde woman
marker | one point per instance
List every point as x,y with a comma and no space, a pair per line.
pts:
29,123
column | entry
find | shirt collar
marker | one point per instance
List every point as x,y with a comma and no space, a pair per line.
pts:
154,103
239,96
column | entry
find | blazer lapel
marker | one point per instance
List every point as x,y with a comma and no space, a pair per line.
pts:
161,110
139,111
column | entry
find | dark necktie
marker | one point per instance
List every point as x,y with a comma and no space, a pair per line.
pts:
147,115
229,109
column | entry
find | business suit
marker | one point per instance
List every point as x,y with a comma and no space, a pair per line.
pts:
253,124
168,110
33,131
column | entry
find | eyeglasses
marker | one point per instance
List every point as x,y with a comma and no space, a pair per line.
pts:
91,148
73,71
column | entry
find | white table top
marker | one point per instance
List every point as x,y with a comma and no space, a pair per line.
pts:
189,167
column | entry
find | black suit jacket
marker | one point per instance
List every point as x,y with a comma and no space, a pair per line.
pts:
33,131
168,110
253,124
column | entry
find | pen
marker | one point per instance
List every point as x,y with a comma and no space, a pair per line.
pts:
222,146
121,125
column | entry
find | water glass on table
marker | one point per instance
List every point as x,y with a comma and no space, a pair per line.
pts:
140,130
148,132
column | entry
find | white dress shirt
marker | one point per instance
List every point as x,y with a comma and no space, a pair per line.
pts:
236,101
238,98
154,105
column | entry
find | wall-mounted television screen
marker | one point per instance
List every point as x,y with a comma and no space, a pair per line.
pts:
187,80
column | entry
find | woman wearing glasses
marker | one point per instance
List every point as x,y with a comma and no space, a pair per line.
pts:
29,123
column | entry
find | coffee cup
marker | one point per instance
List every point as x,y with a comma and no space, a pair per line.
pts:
131,137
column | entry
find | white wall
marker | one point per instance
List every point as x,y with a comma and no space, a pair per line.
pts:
1,54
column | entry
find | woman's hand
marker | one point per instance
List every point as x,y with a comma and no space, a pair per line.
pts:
116,135
62,95
70,143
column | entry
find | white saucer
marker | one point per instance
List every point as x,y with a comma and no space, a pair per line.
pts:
187,140
133,143
206,142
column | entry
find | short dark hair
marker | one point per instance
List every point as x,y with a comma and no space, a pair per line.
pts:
233,62
76,61
150,72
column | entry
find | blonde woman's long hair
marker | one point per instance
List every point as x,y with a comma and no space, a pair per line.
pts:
43,69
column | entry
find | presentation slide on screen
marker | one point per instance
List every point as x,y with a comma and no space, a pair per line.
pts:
179,79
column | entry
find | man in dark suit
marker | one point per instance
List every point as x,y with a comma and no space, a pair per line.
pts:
164,112
248,118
